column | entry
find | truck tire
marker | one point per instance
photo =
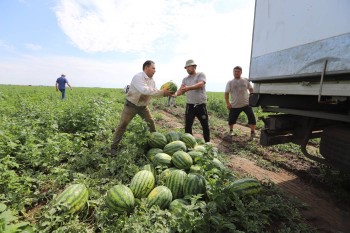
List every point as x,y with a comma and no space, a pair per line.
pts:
335,146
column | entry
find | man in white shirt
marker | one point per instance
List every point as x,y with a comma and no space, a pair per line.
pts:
142,87
238,88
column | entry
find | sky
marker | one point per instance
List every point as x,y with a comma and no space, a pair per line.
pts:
103,43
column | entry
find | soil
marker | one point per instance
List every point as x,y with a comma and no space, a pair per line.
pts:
296,177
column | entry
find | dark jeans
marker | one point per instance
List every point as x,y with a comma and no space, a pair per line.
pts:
199,111
234,113
63,91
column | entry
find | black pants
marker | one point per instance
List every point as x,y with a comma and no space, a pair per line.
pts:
199,111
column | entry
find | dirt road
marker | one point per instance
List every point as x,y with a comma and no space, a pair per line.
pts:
321,209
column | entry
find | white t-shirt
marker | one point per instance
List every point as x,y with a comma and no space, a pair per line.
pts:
238,89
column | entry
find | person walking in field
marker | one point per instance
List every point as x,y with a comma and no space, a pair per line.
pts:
196,99
142,88
61,85
238,88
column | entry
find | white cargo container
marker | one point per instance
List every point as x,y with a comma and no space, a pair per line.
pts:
300,66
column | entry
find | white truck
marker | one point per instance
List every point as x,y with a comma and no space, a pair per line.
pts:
300,68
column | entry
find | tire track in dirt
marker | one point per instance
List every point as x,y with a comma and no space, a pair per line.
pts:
321,211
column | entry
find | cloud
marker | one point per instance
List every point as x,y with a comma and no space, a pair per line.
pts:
33,47
5,46
80,72
213,32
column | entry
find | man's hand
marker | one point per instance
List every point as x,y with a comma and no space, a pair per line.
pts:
228,106
166,92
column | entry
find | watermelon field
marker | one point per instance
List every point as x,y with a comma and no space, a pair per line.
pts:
57,174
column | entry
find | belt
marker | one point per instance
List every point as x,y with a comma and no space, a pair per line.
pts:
130,104
196,105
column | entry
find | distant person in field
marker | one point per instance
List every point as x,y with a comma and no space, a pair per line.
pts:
61,85
240,89
142,88
196,99
126,89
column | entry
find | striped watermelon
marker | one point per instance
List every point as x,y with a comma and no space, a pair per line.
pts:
195,169
160,196
72,199
152,152
171,86
172,136
200,141
162,159
120,199
200,148
195,155
218,164
157,140
175,182
194,184
177,204
150,167
245,186
164,175
142,183
189,140
182,160
174,146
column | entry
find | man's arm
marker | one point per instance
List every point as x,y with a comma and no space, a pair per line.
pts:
228,105
196,86
69,86
57,86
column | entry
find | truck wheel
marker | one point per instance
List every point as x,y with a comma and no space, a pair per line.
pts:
335,146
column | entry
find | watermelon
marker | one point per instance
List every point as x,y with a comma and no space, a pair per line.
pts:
162,159
157,140
172,136
189,140
195,155
182,160
218,164
177,204
195,169
164,175
142,183
160,196
175,181
174,146
194,184
120,199
72,199
200,141
152,152
200,148
171,86
150,167
245,186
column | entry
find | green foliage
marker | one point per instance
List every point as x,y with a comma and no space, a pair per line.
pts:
9,222
47,143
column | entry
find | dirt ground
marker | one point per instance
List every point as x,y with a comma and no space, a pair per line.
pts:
294,178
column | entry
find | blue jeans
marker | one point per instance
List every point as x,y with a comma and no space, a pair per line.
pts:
63,91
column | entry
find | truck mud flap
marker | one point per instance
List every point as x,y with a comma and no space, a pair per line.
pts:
335,146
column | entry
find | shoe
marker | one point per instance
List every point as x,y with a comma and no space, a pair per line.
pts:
232,133
252,136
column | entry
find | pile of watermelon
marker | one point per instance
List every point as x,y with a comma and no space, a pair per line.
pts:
178,169
179,166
